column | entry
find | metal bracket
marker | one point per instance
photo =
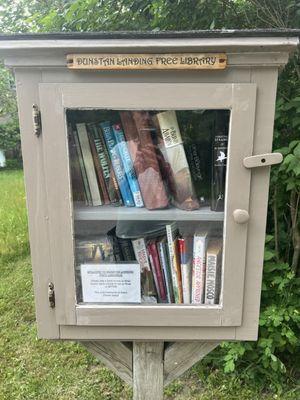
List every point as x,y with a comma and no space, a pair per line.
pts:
37,121
51,295
262,160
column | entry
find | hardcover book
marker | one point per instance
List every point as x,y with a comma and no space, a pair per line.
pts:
173,253
164,262
219,161
111,234
198,156
199,267
82,168
126,249
117,163
184,195
93,249
147,282
154,260
78,190
89,164
185,251
213,271
104,160
99,173
137,129
128,165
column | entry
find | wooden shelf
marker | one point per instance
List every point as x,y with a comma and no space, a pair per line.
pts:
111,213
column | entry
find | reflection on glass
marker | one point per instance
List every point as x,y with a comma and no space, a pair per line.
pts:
150,164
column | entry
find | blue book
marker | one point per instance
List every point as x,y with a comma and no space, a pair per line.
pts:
112,147
128,165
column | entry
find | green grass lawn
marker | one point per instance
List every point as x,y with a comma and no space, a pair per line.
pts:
40,369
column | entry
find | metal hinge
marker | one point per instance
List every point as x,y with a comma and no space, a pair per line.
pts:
262,160
51,295
37,120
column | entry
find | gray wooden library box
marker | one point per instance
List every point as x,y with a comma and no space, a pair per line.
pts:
147,160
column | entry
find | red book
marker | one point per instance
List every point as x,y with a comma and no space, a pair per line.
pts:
138,131
154,260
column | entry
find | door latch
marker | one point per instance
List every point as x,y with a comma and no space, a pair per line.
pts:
36,119
51,295
262,160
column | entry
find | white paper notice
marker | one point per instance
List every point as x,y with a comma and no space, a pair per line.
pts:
111,283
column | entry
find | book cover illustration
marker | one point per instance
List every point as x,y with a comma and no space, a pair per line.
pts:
138,131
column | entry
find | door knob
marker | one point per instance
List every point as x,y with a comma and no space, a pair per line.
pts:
240,216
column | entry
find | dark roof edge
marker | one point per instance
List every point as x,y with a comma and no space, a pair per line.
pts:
154,34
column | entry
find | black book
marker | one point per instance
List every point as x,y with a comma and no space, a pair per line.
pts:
219,160
198,154
118,255
127,249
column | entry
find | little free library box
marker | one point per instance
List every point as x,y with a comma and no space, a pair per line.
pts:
147,160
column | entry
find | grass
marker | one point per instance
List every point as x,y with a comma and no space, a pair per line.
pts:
42,370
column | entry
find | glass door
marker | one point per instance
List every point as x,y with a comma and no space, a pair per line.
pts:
152,190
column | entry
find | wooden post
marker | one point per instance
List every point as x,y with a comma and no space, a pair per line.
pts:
148,370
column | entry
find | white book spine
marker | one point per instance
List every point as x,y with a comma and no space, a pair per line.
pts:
140,252
198,279
210,282
186,273
89,164
172,262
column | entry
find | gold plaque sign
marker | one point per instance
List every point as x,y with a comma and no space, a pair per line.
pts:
172,61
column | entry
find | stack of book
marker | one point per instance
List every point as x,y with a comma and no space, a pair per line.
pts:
121,163
174,268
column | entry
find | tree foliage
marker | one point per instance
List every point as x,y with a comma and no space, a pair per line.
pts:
277,348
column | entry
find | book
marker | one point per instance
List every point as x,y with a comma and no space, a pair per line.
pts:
157,272
93,249
213,272
219,160
105,163
99,172
126,249
89,164
117,251
78,190
164,262
111,144
199,261
82,168
174,264
198,157
128,165
184,194
147,282
185,251
137,128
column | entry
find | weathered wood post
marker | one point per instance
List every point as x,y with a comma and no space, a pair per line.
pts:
149,366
